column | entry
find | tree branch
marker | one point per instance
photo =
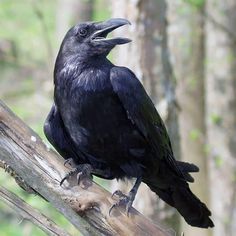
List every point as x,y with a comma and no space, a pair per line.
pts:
29,213
41,169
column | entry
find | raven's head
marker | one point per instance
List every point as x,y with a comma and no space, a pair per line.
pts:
89,39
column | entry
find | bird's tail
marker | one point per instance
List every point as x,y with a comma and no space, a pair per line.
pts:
188,205
187,168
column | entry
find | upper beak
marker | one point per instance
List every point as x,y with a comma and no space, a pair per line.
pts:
104,28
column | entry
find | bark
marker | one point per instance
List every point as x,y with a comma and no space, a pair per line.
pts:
83,10
187,46
148,57
86,206
221,112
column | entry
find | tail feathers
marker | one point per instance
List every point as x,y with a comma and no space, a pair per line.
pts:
189,167
188,205
191,208
186,167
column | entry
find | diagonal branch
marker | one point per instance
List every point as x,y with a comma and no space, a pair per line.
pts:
29,213
86,206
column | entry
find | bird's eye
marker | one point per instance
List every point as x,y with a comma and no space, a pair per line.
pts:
83,32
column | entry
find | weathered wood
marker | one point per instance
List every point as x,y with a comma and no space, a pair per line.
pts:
85,206
30,214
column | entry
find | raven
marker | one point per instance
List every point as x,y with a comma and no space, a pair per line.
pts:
103,119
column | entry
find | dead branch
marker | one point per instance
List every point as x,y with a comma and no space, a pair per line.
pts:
41,169
29,213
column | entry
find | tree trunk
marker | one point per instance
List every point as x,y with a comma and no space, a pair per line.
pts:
221,112
70,12
148,57
187,45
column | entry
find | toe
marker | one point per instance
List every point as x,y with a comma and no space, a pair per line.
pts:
68,162
118,194
112,207
124,201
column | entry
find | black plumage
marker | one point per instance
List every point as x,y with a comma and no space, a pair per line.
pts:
103,117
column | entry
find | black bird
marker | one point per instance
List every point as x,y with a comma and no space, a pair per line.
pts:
104,120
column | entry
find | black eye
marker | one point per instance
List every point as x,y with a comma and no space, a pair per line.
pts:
83,32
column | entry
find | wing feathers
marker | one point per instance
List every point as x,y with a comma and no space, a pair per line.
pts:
142,112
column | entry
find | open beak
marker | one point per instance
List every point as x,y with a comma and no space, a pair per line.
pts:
104,28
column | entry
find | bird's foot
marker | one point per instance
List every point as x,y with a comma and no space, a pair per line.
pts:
123,201
69,162
83,172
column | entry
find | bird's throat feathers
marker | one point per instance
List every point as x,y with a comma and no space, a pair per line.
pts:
72,67
89,75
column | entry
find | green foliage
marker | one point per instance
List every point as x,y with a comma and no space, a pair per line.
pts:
216,119
101,11
21,26
195,134
218,161
207,149
196,3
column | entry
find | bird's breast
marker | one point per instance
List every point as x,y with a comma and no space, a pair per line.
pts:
97,121
90,102
103,109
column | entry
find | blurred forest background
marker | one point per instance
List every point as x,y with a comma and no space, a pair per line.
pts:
184,52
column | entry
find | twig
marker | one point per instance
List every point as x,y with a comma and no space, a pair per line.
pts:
29,213
17,178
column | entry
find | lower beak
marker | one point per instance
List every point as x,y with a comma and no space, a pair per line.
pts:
104,28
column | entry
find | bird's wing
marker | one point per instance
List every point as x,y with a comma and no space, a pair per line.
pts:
57,135
142,112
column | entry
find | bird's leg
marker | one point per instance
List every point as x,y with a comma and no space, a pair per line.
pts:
85,171
126,201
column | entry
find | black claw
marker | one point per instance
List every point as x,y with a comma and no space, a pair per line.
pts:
68,161
119,194
62,181
68,175
83,171
110,210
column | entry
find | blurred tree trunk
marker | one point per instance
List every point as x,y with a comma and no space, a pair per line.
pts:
148,57
221,112
69,12
187,45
